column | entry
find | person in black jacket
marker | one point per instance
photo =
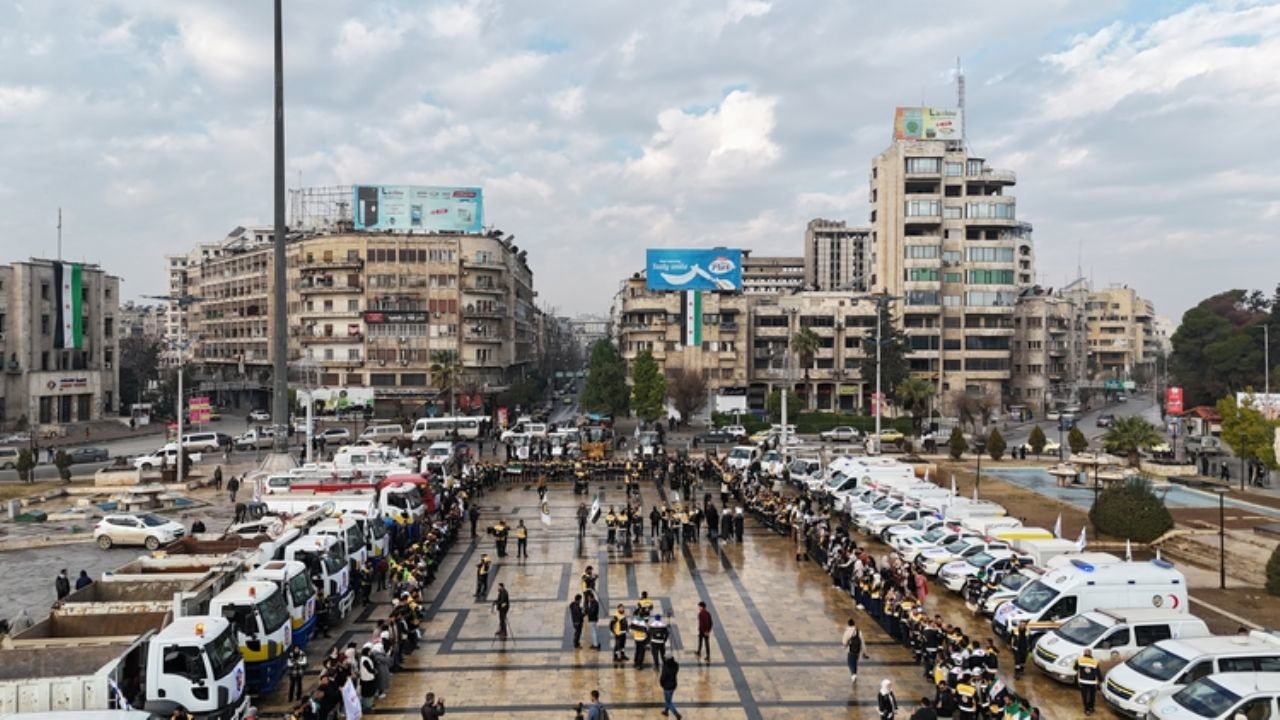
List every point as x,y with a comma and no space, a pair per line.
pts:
1021,642
62,584
503,606
668,680
925,711
591,608
886,701
576,616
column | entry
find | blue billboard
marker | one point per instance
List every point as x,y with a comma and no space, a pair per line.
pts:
419,208
714,269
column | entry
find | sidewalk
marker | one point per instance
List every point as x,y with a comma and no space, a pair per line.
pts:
99,431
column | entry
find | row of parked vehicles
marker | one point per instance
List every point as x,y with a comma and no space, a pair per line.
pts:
204,624
1159,660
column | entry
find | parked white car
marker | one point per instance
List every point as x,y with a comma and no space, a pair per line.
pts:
954,574
898,517
931,562
259,416
772,463
148,530
165,456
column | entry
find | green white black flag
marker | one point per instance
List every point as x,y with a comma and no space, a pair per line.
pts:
68,333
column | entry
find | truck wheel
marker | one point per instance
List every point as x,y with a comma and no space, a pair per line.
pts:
152,543
146,467
104,542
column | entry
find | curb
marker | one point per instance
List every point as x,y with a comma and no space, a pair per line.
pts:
43,541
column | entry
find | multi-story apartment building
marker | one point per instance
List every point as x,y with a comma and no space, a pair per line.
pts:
587,330
947,241
59,342
836,256
1123,339
372,310
142,321
1050,351
772,275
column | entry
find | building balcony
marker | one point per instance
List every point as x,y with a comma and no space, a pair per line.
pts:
329,313
335,363
1003,177
358,338
328,289
479,338
476,264
335,264
484,289
497,311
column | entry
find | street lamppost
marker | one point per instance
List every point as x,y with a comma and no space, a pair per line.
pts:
786,382
183,302
881,301
1222,537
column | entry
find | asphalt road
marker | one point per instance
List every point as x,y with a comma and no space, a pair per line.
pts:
1087,422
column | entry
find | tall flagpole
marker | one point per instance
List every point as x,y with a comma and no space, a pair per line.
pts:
280,322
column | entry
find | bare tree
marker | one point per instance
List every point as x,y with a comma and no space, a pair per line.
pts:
688,392
972,410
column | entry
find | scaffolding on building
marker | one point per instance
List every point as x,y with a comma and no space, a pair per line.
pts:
321,209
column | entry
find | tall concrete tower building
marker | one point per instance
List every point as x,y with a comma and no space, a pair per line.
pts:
946,238
835,256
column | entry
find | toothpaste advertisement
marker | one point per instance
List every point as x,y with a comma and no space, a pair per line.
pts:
712,269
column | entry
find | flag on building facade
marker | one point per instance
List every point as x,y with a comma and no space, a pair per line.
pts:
67,331
691,318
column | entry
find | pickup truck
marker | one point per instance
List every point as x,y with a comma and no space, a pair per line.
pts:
256,439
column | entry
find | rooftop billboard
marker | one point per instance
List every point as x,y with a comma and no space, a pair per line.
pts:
714,269
927,123
419,208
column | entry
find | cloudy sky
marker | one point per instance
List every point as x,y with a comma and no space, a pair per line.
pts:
1142,133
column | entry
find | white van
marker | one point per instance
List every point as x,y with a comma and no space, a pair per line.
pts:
1231,696
984,525
202,442
961,507
1042,551
741,457
1079,585
1113,635
1171,664
382,433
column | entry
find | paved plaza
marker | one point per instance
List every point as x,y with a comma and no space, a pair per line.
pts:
776,649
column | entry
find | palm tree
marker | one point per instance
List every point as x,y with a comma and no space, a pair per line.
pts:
1129,434
805,343
914,395
445,370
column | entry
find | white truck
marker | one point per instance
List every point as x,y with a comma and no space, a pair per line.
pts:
108,663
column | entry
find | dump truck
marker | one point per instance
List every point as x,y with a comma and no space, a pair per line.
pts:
121,662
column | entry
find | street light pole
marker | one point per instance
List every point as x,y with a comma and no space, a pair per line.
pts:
1222,539
879,397
180,452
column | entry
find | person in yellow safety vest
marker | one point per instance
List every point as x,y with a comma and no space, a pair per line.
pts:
644,606
522,541
1087,678
589,578
482,576
966,701
618,628
640,636
611,523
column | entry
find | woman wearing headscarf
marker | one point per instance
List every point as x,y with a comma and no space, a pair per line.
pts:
886,701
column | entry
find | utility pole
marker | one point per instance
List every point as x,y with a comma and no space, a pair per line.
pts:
280,318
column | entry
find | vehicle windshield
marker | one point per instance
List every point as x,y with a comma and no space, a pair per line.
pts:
1081,630
980,560
1206,698
740,453
897,512
920,522
153,520
224,653
274,612
300,589
1014,581
378,529
836,479
1035,597
1157,663
958,546
355,538
333,565
936,534
882,503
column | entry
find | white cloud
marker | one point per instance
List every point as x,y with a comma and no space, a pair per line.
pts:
570,102
17,100
357,41
720,144
458,21
740,10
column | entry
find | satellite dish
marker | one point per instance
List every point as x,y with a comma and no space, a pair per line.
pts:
328,508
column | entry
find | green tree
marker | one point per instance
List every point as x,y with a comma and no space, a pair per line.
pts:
913,395
996,444
805,343
139,364
1248,432
25,464
956,444
688,392
1131,510
62,461
1273,572
1077,441
773,406
648,388
894,365
606,388
1218,347
1128,435
1036,441
446,370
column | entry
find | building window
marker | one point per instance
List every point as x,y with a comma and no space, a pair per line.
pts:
955,169
922,297
923,208
353,305
990,277
44,291
952,213
999,211
922,274
989,254
924,165
108,326
921,252
44,324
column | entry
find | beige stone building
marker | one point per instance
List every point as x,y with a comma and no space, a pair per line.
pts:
369,310
45,382
772,275
1050,351
1123,338
836,256
947,240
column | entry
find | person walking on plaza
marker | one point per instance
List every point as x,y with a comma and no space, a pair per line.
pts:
668,680
595,709
522,541
1087,678
62,584
705,625
576,617
217,478
500,534
503,606
886,702
433,707
852,642
591,608
582,519
473,514
233,486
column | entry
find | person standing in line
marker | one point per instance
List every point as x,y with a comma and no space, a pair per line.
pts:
852,641
591,608
62,584
886,701
1021,642
522,541
576,617
1087,678
668,680
705,626
658,634
618,626
473,514
503,606
297,666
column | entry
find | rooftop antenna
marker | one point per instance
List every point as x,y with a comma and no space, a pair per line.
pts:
960,97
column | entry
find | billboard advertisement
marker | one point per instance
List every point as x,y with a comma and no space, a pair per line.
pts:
419,208
199,410
926,123
340,400
714,269
1173,400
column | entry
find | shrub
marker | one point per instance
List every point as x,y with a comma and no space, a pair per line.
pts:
956,444
1131,510
1273,572
996,444
1077,441
1037,440
25,464
63,462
